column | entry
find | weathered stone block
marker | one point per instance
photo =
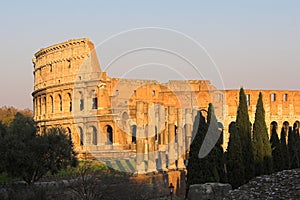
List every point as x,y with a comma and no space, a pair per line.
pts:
208,191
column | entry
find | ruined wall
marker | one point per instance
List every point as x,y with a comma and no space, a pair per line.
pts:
153,119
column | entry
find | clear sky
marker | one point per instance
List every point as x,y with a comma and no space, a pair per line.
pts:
255,44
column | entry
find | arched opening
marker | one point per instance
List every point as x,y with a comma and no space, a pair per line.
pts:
133,136
51,104
68,132
273,125
40,105
70,102
81,101
81,137
285,132
94,100
94,136
221,129
45,105
109,133
296,128
60,102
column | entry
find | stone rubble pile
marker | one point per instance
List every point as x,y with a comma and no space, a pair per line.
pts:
281,185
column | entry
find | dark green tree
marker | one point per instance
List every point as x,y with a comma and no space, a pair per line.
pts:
276,150
29,156
234,160
261,146
292,146
283,146
195,173
216,155
3,133
244,131
206,159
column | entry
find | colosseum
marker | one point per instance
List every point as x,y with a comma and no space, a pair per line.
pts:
148,121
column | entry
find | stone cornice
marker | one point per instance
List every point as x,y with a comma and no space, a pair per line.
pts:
61,46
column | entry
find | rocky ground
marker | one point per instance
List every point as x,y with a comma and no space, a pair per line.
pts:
281,185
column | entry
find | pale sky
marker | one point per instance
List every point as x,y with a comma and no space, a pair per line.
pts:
254,44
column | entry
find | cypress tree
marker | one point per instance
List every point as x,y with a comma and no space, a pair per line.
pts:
261,146
207,167
234,160
283,147
276,151
195,172
244,131
292,146
216,155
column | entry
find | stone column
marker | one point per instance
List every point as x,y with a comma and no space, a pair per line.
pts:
151,139
188,127
171,134
180,139
140,164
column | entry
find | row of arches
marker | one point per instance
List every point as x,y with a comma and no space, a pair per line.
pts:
56,103
91,135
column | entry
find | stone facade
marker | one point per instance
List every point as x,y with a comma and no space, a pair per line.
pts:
112,117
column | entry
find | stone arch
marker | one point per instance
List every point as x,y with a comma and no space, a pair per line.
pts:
81,101
58,102
133,136
285,131
124,123
51,104
68,132
69,100
109,134
221,129
273,124
92,135
94,98
296,127
45,104
81,136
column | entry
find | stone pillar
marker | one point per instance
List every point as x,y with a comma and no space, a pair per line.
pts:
180,139
188,127
140,164
151,139
171,133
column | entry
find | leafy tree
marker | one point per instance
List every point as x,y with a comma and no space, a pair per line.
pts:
3,133
261,146
7,114
29,156
293,138
244,131
283,146
276,150
234,160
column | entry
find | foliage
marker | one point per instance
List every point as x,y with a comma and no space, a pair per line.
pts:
284,149
276,150
210,167
7,114
30,156
244,130
293,142
234,161
261,146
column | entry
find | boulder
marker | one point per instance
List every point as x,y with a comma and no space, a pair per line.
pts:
208,191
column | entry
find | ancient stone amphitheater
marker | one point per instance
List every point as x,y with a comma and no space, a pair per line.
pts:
149,121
